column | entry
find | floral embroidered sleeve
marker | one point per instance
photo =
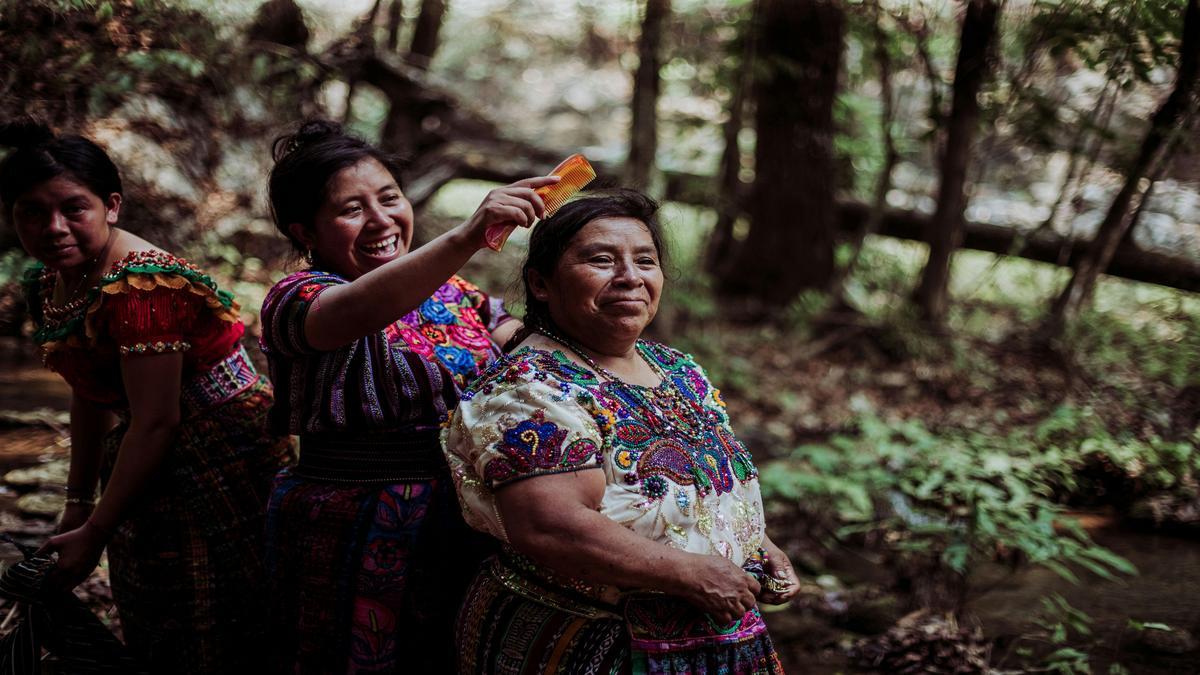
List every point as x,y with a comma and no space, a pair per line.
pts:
518,424
491,310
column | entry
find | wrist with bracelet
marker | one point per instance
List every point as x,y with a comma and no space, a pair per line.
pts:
80,496
79,492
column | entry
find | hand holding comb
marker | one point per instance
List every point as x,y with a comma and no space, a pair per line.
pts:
575,172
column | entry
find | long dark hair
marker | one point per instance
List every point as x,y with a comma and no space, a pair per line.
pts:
305,161
551,238
39,155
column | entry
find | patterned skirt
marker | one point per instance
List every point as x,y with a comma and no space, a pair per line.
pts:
187,566
514,624
367,578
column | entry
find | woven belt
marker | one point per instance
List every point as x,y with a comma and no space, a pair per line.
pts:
227,378
382,457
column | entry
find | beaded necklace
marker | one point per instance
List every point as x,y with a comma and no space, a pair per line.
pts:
55,314
678,413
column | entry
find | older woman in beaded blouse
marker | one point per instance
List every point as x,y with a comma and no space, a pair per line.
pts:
631,515
147,341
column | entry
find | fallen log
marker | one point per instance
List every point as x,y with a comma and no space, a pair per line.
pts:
453,142
1129,262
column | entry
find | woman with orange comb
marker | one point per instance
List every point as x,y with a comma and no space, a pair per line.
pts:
370,344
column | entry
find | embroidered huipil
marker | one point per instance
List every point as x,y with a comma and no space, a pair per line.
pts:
186,561
675,473
358,569
405,376
148,302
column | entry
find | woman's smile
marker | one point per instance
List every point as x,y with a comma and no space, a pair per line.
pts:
384,248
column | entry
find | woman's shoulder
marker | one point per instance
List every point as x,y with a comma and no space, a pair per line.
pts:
300,285
531,367
155,267
155,270
308,276
462,285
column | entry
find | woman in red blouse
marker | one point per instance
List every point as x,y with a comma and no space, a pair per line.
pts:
167,413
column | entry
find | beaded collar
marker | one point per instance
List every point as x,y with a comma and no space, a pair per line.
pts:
676,411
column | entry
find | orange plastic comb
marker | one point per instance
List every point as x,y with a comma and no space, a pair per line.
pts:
575,171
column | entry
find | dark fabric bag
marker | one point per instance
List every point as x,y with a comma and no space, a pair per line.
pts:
57,621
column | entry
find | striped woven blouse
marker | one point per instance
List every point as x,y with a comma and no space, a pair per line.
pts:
405,377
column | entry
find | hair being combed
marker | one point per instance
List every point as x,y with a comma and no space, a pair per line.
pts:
551,238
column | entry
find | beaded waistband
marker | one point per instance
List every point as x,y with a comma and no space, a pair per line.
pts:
522,576
227,378
380,457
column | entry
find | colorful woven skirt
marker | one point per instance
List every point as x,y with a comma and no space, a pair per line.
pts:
367,578
512,624
187,566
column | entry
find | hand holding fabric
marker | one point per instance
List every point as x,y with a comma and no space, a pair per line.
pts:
719,588
782,584
78,554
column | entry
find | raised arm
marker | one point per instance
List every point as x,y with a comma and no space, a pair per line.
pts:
367,304
555,520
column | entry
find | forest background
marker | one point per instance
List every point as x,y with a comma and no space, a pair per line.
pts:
941,257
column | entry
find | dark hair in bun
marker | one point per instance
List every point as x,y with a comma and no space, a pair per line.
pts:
39,156
305,161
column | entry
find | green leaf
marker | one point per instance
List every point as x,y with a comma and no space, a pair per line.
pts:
1061,570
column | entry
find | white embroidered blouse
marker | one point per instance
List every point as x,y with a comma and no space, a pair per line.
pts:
675,473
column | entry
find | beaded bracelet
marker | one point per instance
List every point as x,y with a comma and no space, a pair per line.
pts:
71,501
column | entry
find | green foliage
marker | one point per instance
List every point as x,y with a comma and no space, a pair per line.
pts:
13,263
1163,346
1126,38
102,50
87,57
956,498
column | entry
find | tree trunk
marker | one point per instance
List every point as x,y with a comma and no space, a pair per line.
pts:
945,232
883,182
720,245
395,19
1169,119
281,22
790,244
425,32
643,136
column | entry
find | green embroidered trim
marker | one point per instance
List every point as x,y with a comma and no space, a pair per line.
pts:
140,262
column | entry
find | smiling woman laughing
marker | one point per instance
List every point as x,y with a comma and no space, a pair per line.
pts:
371,344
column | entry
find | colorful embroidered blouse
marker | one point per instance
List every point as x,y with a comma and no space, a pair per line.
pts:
406,376
149,302
675,472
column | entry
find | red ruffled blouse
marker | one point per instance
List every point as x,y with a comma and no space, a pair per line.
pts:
150,302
